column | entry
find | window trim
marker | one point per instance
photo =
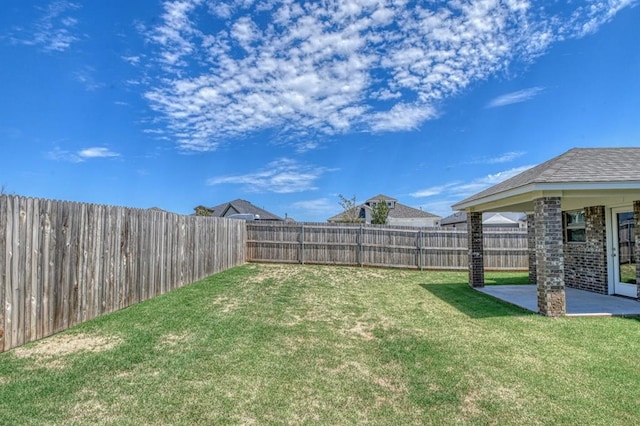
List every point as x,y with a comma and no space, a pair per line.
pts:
574,226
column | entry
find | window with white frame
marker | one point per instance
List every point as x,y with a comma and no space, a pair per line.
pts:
575,226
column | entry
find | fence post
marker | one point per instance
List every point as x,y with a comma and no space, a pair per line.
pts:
4,226
360,245
419,249
301,257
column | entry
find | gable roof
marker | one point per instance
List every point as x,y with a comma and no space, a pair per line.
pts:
241,206
380,197
457,217
504,219
578,168
343,215
400,211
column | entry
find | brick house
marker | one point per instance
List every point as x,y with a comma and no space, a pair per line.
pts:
583,214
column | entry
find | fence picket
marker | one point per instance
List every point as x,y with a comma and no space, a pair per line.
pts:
348,244
63,263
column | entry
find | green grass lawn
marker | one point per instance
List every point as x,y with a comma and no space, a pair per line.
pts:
275,344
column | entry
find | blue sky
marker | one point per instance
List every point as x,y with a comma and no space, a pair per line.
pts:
287,104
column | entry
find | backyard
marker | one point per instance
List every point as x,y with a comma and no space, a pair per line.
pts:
292,344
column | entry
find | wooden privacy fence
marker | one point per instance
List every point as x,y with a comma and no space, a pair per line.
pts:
367,245
63,263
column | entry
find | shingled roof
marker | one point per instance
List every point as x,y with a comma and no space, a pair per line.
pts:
402,211
589,168
399,211
240,206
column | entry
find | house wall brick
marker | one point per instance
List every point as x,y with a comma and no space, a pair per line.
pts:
636,217
585,264
476,249
549,256
531,245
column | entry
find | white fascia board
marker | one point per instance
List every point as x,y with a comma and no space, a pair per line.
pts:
535,190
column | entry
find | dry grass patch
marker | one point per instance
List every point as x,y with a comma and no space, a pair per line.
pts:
52,352
272,272
362,330
173,343
300,344
89,408
225,305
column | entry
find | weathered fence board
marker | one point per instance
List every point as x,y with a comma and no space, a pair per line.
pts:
63,263
365,245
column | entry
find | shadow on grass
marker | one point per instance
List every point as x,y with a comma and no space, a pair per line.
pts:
510,280
473,303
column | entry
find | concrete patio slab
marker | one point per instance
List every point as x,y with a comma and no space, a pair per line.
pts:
579,302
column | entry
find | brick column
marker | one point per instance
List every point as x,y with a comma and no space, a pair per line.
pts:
531,246
636,223
549,256
476,249
595,258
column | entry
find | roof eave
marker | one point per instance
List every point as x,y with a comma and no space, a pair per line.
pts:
534,190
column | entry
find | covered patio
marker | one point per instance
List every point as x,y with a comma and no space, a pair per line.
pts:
579,302
583,220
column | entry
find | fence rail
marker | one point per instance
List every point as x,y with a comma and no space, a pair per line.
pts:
366,245
63,263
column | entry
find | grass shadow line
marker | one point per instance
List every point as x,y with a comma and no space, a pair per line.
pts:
473,303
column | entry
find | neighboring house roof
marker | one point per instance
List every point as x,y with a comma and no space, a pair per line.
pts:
380,197
503,219
238,207
494,219
577,169
398,211
340,217
455,218
405,212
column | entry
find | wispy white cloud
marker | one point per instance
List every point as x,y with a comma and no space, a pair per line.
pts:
305,146
317,208
133,60
54,31
334,67
498,159
434,190
506,157
441,206
97,152
82,155
462,189
598,13
85,76
281,176
515,97
459,190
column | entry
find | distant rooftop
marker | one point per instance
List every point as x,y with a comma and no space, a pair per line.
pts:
240,206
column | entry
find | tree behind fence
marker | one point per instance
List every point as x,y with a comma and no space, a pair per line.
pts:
63,263
349,244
